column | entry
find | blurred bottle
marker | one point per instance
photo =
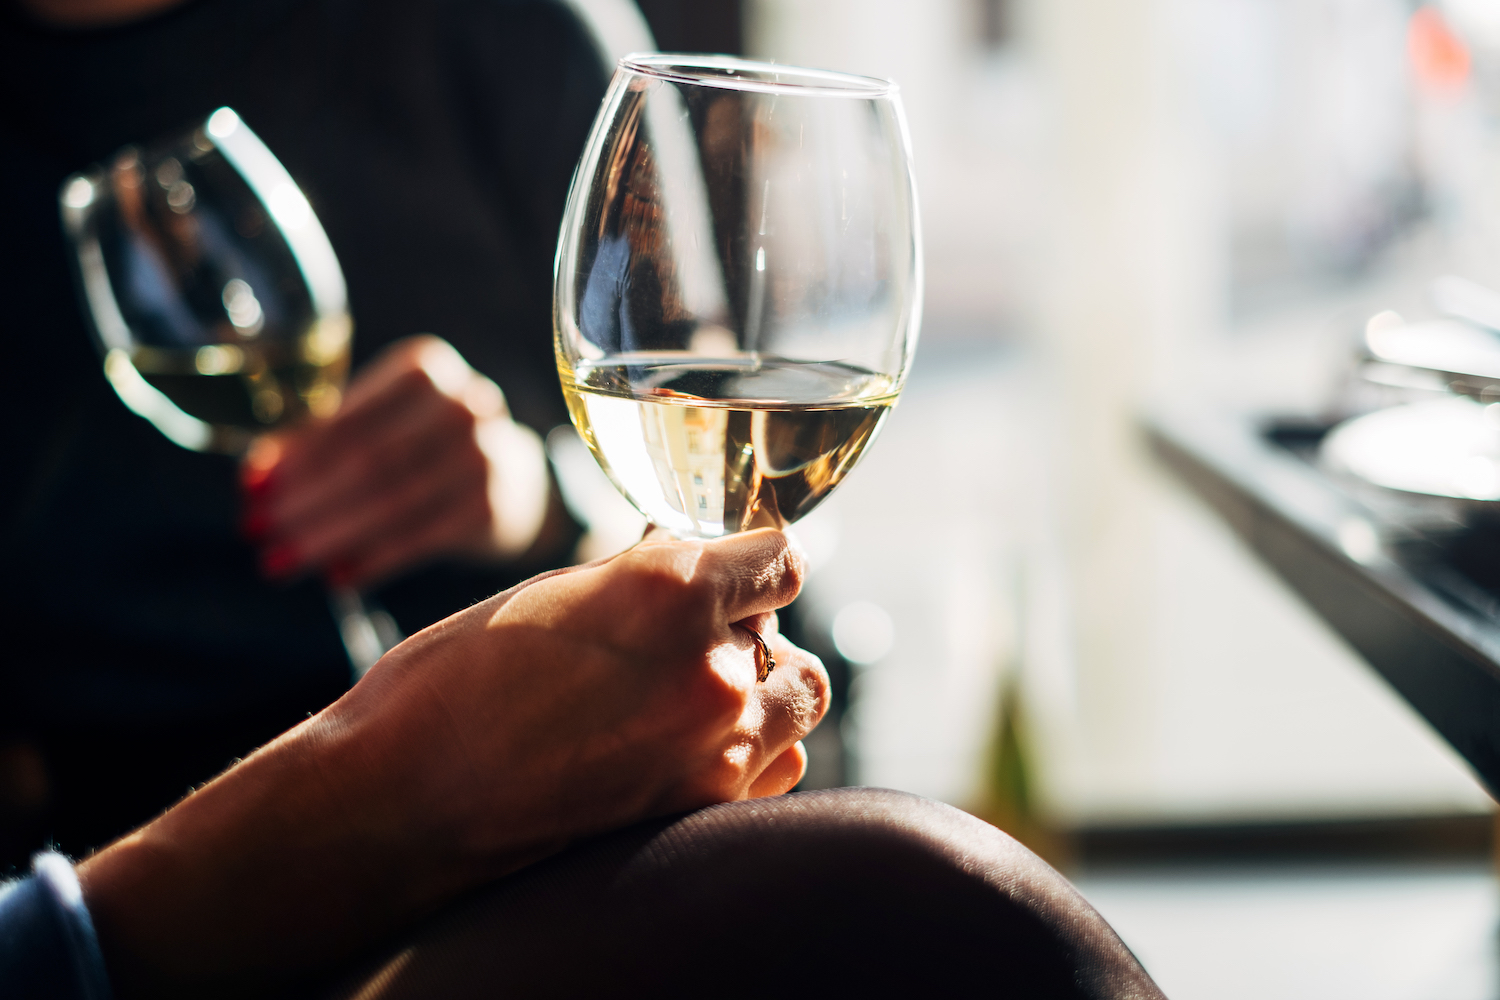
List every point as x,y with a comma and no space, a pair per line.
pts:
1454,53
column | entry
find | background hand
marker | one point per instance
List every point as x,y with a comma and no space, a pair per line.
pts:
421,460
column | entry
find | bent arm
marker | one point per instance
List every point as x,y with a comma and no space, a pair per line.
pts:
581,702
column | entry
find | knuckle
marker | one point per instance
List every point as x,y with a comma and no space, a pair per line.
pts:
793,572
730,771
668,590
420,342
657,587
810,693
414,380
722,700
815,680
711,703
454,415
709,786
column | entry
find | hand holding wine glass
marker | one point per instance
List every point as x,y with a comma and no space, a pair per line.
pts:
422,459
738,286
217,302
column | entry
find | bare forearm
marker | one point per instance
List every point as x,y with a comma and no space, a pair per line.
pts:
578,702
258,876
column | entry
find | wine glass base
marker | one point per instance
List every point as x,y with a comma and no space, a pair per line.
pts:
367,634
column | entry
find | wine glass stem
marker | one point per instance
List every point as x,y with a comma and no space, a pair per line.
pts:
368,635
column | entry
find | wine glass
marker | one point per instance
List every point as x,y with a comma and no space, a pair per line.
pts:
738,285
216,301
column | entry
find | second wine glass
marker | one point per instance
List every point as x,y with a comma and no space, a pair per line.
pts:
217,302
738,285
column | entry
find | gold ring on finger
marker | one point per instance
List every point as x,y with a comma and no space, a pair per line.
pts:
764,661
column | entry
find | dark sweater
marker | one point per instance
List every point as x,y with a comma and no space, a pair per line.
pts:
435,140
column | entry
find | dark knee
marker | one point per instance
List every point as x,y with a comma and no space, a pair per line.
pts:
853,890
902,887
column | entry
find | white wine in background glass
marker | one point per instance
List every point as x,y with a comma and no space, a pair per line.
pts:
217,301
738,285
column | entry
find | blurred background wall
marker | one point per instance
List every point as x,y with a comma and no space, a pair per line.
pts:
1129,202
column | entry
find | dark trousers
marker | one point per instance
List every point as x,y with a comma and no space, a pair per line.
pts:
849,892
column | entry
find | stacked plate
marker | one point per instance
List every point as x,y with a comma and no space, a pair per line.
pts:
1444,442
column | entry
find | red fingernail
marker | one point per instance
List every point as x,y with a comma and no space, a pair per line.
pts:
256,482
260,464
279,560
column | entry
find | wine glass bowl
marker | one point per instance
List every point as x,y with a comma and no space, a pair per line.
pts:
213,291
738,285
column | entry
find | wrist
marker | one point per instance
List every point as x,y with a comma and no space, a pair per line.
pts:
405,781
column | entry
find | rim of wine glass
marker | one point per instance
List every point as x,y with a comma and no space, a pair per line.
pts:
721,72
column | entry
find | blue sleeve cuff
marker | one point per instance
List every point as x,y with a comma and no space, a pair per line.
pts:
48,949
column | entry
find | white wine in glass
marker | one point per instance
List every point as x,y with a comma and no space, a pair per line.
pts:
738,286
216,300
